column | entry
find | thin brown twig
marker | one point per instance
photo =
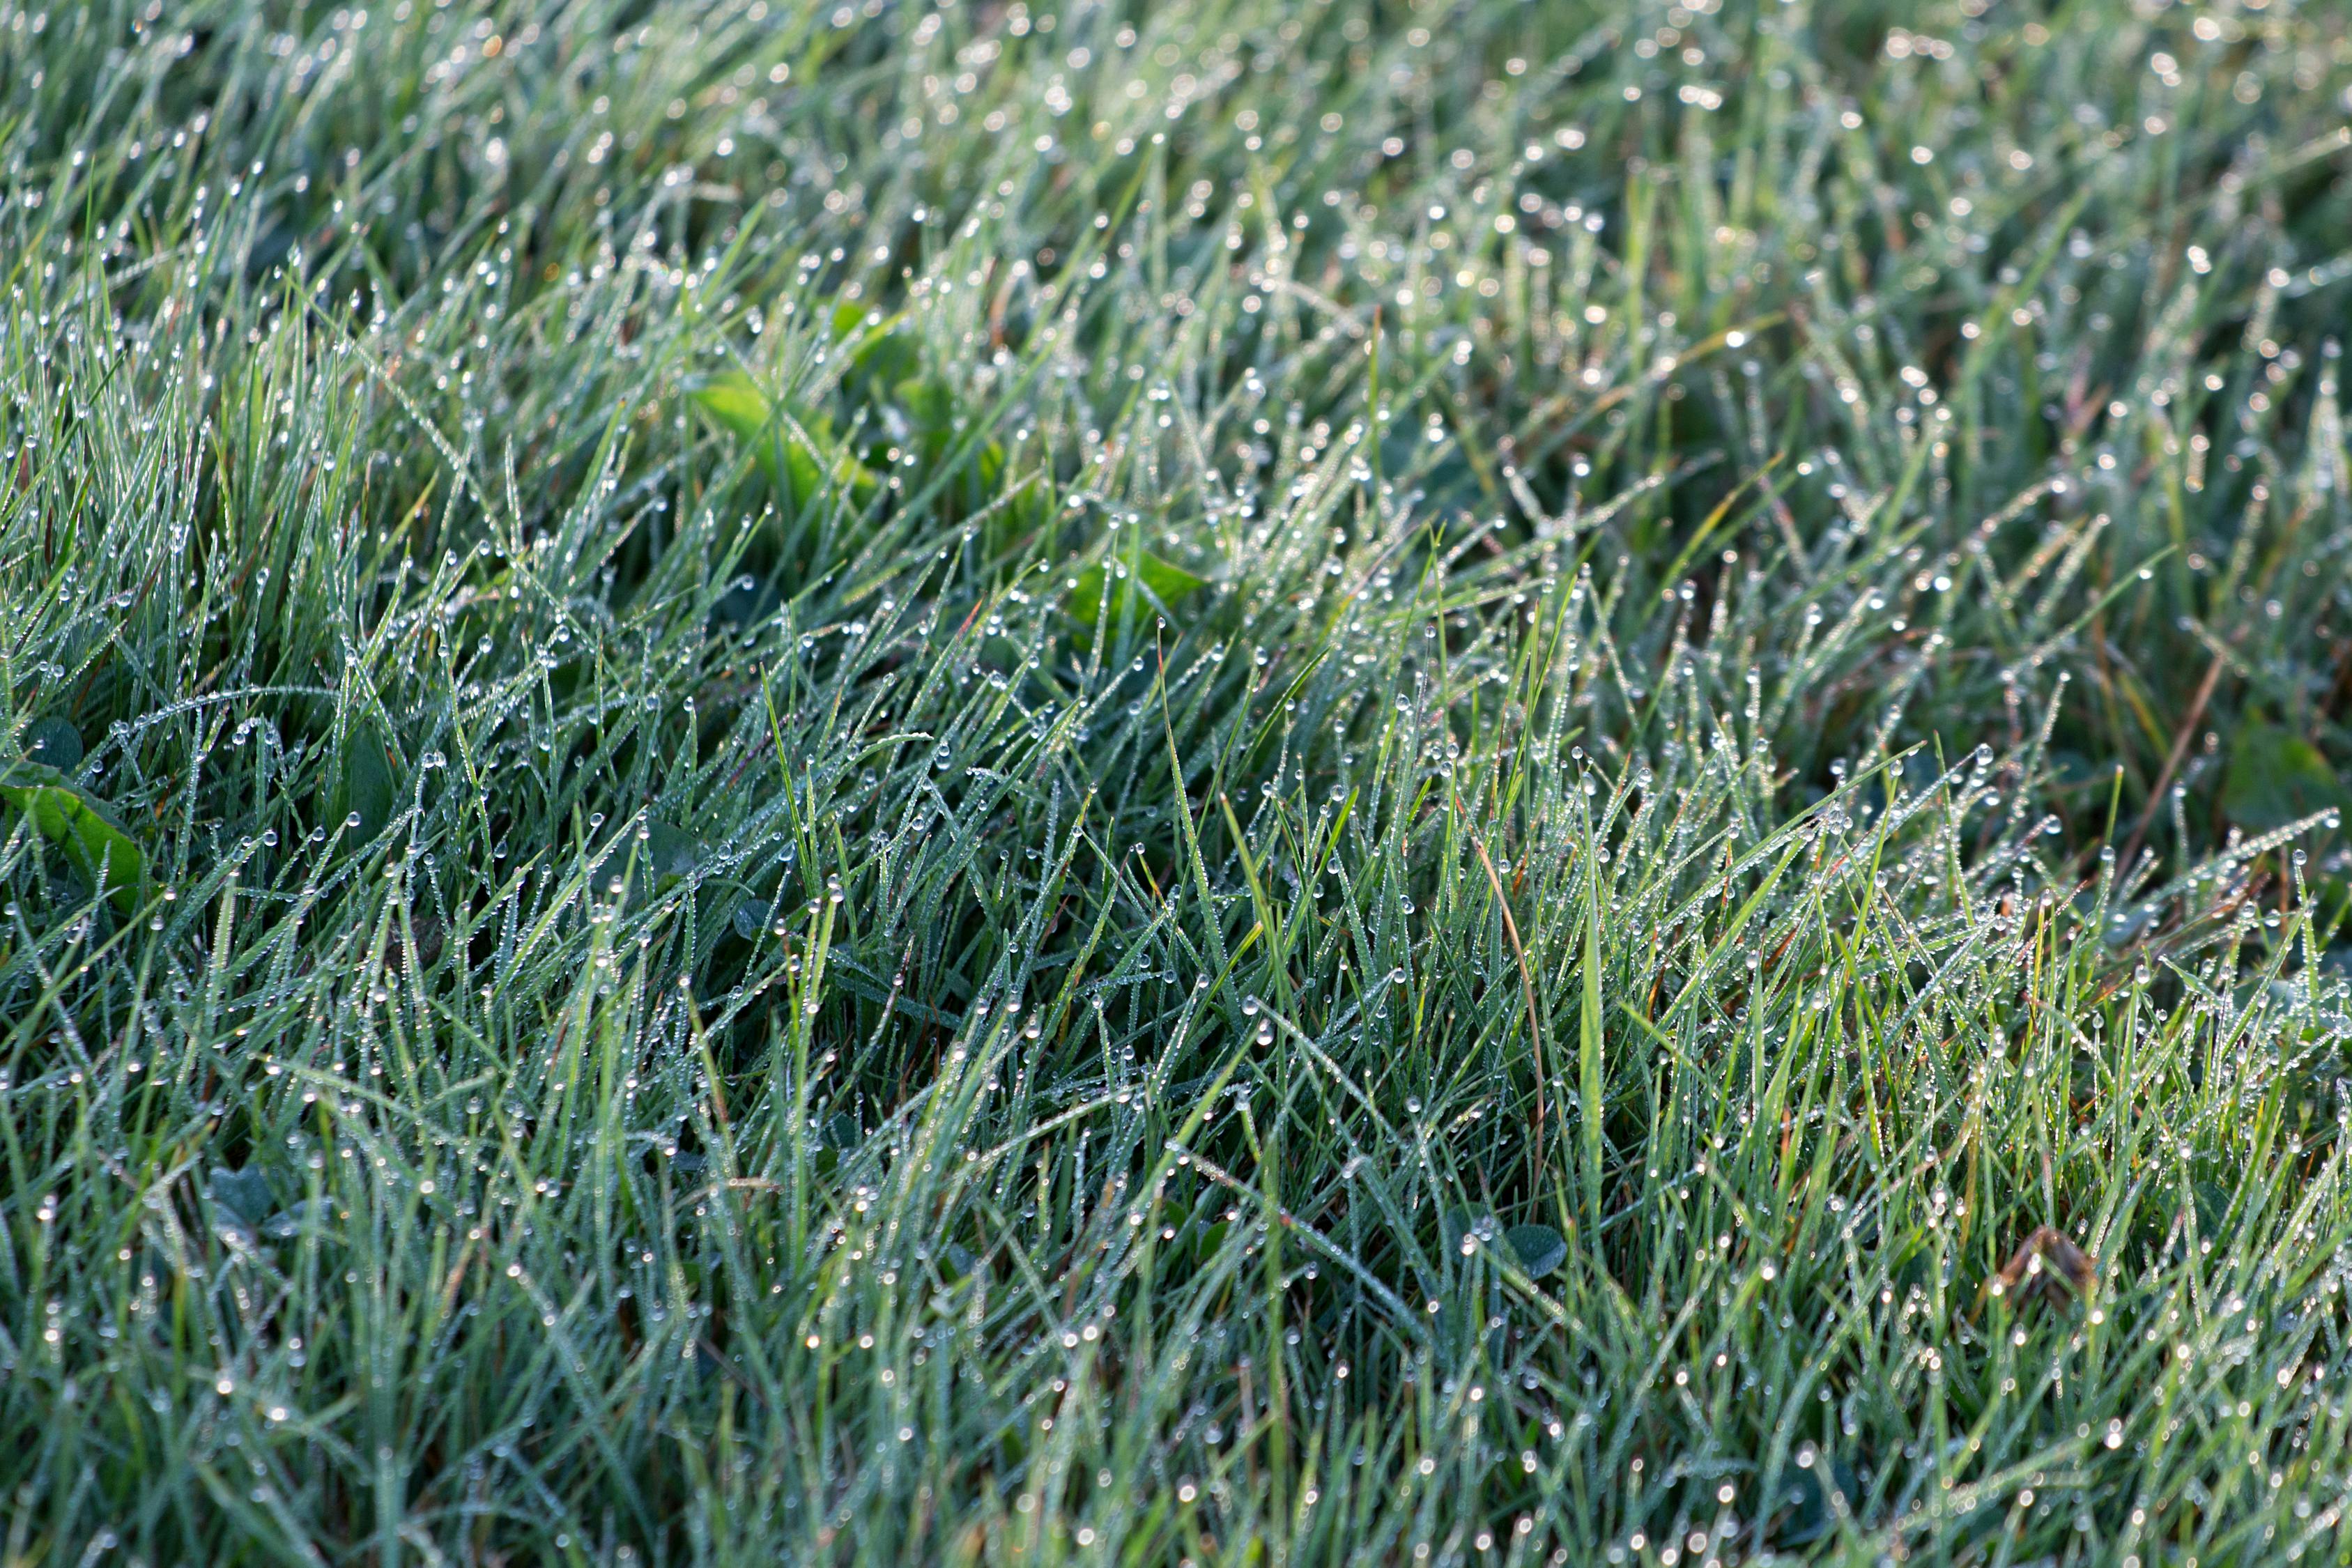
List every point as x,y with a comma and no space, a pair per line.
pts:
2172,762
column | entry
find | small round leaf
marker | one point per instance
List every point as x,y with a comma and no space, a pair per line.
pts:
1539,1248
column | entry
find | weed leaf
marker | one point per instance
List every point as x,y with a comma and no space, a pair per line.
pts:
792,467
2276,777
1164,584
1539,1248
56,743
370,791
100,848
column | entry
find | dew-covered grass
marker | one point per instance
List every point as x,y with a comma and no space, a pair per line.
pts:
1220,783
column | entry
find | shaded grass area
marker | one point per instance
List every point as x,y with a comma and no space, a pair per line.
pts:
1224,783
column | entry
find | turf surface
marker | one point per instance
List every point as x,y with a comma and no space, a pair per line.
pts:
1228,781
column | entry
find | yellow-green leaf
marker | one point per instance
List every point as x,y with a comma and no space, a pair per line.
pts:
94,844
1164,583
783,450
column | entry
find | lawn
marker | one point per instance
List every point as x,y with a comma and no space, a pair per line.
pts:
1219,782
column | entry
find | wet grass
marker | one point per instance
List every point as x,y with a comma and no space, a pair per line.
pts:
1214,782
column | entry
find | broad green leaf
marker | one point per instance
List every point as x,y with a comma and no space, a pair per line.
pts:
929,404
884,356
1017,512
1539,1248
740,407
882,353
671,851
370,791
666,856
1461,1220
791,464
94,844
54,740
304,1216
1804,1511
243,1193
2276,777
848,317
1163,583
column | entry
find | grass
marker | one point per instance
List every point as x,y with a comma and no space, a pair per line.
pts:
1206,782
